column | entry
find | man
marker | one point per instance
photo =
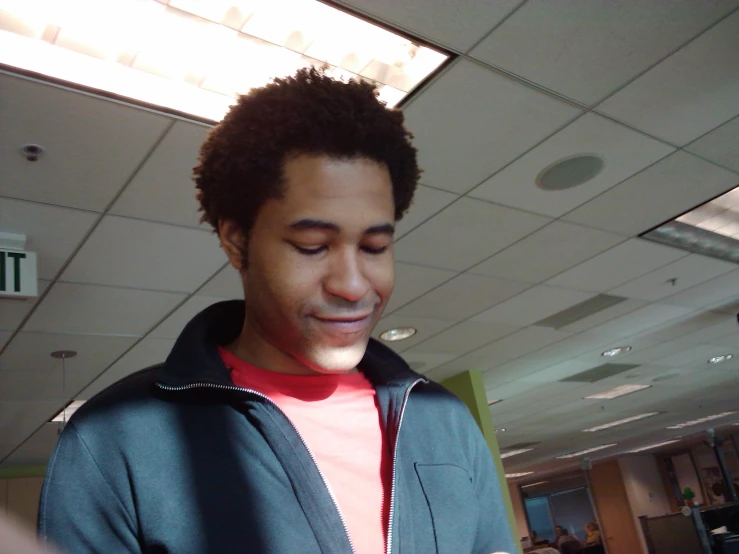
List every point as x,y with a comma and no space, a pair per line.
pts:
276,424
563,537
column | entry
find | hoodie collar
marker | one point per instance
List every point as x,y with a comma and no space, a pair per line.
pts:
195,358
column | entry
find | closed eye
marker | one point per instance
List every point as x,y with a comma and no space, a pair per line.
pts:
309,251
371,250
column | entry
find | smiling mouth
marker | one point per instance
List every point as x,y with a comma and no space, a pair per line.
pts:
345,325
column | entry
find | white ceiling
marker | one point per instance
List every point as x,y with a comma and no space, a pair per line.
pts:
483,255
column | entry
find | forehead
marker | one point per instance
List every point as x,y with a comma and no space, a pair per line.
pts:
328,184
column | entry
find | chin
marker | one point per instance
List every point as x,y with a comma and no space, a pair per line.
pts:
337,359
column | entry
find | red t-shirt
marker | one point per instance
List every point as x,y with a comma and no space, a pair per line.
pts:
338,418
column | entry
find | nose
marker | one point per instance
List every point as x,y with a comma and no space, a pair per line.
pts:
346,277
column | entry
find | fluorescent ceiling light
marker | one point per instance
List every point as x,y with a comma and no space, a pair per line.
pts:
196,56
701,420
494,401
618,391
711,229
399,333
515,452
533,484
67,412
616,351
720,359
620,422
656,445
586,451
516,475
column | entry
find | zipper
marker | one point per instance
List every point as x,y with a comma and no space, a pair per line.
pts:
389,546
305,444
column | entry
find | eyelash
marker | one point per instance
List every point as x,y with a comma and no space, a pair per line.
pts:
315,251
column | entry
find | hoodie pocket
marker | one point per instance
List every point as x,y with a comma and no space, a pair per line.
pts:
451,500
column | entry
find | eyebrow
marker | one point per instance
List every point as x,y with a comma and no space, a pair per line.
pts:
317,224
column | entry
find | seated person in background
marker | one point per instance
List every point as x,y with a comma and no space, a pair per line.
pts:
563,536
593,534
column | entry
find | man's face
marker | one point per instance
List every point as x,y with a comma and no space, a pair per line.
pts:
320,263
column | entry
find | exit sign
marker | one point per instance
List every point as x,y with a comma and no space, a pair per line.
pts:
18,274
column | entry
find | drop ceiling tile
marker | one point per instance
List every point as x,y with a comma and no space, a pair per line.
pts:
84,164
547,252
412,281
665,190
466,233
721,145
462,297
423,362
556,372
52,232
712,334
487,121
688,94
4,337
427,202
31,385
18,420
163,189
697,321
146,353
96,310
586,50
224,284
465,337
425,328
618,265
37,450
640,320
696,355
133,253
720,289
13,311
689,271
457,24
31,352
532,305
171,327
623,151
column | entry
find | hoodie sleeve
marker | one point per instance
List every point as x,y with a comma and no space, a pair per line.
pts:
79,511
494,533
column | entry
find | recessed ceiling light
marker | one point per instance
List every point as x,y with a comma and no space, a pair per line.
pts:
517,475
570,172
171,53
711,229
720,359
510,453
501,430
586,451
616,351
700,420
656,445
533,484
617,391
67,412
494,401
399,333
620,422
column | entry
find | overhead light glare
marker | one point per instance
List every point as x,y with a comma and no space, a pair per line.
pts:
656,445
171,54
399,333
620,422
586,451
533,484
700,420
510,453
612,352
621,390
494,401
67,412
721,359
517,475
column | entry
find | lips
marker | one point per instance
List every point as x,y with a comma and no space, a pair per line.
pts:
344,325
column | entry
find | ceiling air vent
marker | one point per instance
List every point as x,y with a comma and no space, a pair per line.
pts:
597,373
580,311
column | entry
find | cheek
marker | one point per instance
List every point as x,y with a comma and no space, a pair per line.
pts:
383,279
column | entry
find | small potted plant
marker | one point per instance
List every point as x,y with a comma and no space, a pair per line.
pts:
688,495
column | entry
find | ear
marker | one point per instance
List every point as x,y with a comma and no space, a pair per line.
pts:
233,243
